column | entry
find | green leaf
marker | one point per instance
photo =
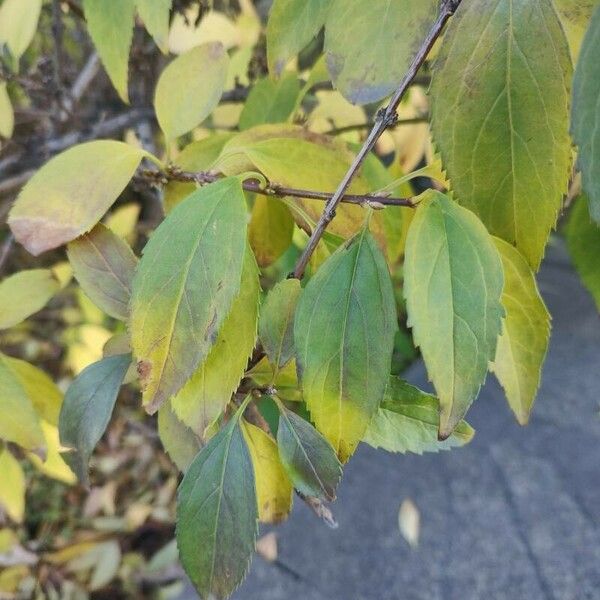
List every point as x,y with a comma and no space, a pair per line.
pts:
190,88
292,25
178,440
217,514
344,335
50,212
7,115
104,266
273,487
586,114
155,15
184,286
20,422
270,101
523,344
18,24
204,397
276,326
271,229
110,24
500,95
408,421
197,156
453,284
25,293
575,17
12,485
370,45
583,240
308,458
87,408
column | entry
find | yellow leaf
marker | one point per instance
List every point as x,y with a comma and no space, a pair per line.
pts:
54,466
12,486
273,487
18,22
214,27
95,171
123,221
271,229
25,293
7,115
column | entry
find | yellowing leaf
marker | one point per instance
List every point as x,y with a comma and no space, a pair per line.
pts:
54,466
178,440
25,293
408,421
110,24
213,27
123,221
20,422
204,397
453,282
155,15
197,156
104,266
523,344
575,17
344,335
50,210
276,326
190,88
502,80
7,115
12,486
271,229
583,239
361,36
185,285
292,25
18,23
273,488
586,114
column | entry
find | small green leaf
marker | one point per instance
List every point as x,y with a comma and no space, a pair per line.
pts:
204,397
408,421
270,101
110,23
155,15
500,96
104,266
453,282
370,45
178,440
586,114
87,408
20,422
25,293
184,286
217,514
271,229
190,88
292,25
344,335
583,240
18,24
96,171
307,456
12,485
523,344
276,326
7,114
273,487
197,156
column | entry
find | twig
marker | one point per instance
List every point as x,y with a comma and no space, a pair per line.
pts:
323,512
274,189
5,249
385,118
81,84
361,126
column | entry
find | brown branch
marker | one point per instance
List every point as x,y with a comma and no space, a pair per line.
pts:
361,126
274,189
385,118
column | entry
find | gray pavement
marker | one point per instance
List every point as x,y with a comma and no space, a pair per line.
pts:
513,516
